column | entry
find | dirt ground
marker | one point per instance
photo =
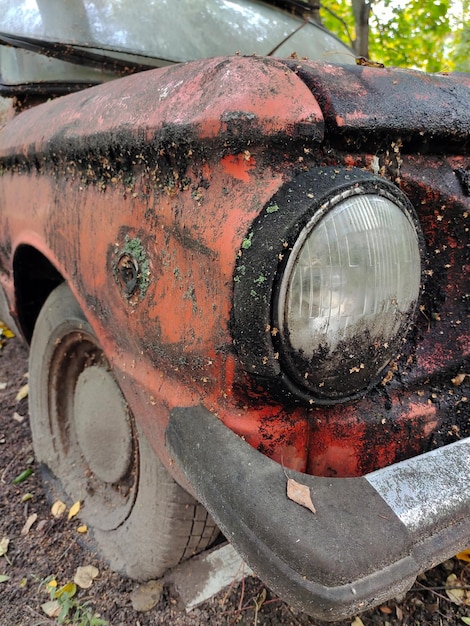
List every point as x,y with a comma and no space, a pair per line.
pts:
51,549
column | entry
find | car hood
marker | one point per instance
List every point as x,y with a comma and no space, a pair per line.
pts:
364,105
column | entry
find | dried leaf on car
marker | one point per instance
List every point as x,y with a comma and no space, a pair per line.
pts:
300,494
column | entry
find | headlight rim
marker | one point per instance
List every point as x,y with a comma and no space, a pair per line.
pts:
302,202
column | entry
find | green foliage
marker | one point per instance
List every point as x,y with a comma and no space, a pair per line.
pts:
414,36
337,16
66,608
461,53
431,35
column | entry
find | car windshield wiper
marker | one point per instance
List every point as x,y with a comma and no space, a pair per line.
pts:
80,55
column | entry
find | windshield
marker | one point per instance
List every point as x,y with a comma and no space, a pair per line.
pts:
150,33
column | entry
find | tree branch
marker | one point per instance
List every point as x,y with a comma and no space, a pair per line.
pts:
340,19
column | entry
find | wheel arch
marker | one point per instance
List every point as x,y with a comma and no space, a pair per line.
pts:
35,277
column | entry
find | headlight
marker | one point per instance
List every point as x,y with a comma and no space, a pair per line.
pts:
348,292
327,285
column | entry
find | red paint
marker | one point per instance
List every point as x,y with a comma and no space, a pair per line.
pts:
191,203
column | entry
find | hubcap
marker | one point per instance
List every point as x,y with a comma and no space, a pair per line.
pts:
102,424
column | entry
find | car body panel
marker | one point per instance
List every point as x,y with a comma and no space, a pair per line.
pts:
235,120
164,203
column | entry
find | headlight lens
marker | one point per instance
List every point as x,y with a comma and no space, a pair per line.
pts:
348,292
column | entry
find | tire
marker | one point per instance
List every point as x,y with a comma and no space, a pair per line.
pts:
142,521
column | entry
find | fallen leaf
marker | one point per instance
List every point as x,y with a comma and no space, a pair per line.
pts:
4,578
260,599
85,575
23,476
69,588
300,494
74,510
465,620
17,417
5,331
146,596
4,546
456,592
51,608
29,522
357,622
3,386
464,555
22,393
27,496
58,508
82,529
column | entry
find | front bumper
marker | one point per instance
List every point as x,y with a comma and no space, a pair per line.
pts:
369,538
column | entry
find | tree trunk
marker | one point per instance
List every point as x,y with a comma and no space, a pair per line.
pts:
361,11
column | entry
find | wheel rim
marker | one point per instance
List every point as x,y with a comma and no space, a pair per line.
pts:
102,424
92,431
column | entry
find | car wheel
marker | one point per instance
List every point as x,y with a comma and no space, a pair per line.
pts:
141,520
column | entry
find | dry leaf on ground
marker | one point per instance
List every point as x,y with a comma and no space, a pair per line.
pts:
300,494
22,393
69,588
464,555
74,510
456,591
29,522
5,331
4,546
58,509
51,608
85,575
146,596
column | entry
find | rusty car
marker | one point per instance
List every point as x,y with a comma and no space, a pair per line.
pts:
240,260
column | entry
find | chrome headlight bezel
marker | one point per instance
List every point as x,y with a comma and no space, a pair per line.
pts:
265,257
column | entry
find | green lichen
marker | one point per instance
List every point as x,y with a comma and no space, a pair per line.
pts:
273,208
246,243
135,248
